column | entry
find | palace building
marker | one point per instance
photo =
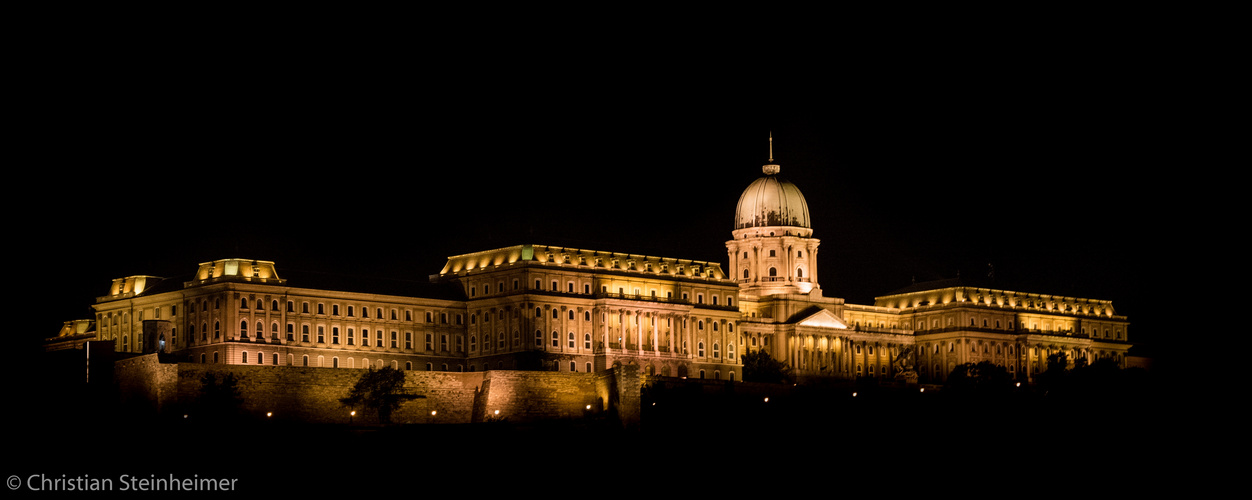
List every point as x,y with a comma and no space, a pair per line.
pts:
537,307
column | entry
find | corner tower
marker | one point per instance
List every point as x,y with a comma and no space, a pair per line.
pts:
772,251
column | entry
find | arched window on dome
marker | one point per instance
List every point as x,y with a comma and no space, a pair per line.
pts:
773,273
799,272
745,273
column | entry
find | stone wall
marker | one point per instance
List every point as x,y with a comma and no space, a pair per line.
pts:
311,395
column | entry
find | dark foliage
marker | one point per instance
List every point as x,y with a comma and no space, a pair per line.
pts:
759,366
379,390
982,379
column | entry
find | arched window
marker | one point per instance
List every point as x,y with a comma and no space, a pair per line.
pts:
304,360
275,358
700,350
745,273
571,342
245,357
716,351
799,272
587,341
773,272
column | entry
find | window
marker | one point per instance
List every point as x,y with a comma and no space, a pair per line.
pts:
700,350
304,333
245,357
243,328
334,335
556,339
538,338
275,358
429,343
571,342
716,351
321,334
586,341
393,340
351,334
378,338
408,340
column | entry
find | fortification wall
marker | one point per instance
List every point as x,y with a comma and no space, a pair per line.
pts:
308,394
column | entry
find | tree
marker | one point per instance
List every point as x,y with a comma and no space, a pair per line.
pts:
982,379
759,366
380,390
218,398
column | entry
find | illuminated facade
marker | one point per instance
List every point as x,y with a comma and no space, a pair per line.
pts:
536,307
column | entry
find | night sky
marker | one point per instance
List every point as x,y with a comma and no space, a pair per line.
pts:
918,162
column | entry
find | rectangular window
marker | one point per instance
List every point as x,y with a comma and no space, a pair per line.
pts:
334,335
393,340
408,340
350,335
378,338
304,333
321,335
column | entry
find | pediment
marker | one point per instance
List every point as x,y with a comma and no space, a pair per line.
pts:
822,319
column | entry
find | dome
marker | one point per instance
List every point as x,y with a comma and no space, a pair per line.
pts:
771,201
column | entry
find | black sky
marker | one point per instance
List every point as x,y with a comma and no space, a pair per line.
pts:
919,160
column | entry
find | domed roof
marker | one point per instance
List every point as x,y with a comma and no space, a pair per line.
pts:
771,201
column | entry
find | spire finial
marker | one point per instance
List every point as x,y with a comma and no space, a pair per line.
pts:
770,168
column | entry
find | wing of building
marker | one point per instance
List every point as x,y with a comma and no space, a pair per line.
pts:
539,307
